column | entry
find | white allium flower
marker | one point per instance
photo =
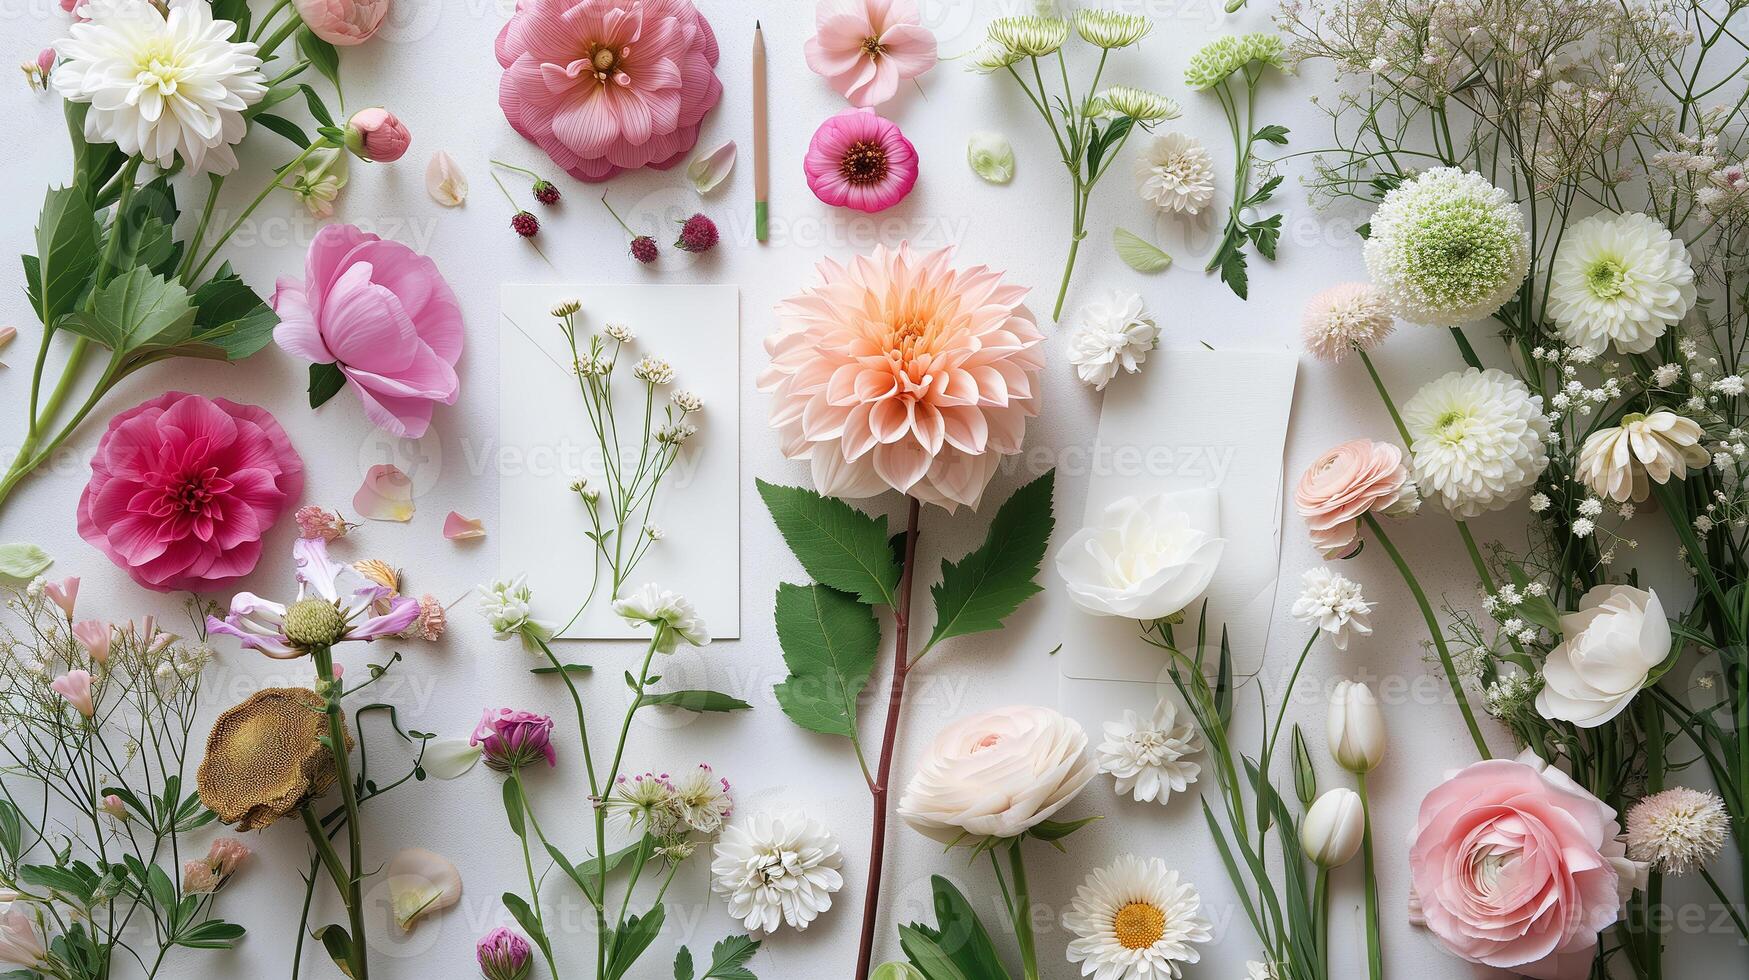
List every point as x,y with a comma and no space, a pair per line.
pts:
1135,920
1347,316
703,799
1591,507
1447,247
1113,333
674,618
1583,526
1479,440
1149,755
161,85
1539,502
777,870
1618,461
1176,174
1621,279
1334,604
1678,830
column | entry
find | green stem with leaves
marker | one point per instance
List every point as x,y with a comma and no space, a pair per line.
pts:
351,886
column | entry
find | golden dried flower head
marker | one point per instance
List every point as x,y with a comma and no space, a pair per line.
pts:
265,759
380,572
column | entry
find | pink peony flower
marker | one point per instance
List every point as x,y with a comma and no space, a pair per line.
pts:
75,688
510,739
865,48
383,313
1346,483
608,85
184,487
859,160
1514,865
343,22
902,371
377,135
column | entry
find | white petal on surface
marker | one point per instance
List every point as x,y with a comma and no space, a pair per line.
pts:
420,883
450,758
444,180
386,495
707,170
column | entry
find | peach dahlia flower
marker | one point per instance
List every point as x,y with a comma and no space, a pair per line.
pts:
899,370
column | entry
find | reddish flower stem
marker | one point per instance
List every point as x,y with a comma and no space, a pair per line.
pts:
895,700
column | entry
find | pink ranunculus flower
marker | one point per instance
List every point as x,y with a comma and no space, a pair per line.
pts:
865,48
900,370
383,313
75,688
183,488
343,23
1345,484
1516,866
859,160
377,135
608,85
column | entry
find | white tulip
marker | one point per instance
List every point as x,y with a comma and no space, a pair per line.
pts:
1355,728
1333,828
1144,559
1607,653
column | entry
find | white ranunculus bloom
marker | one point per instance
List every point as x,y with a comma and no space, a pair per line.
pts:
1144,559
1617,462
777,870
1480,440
161,85
673,616
997,774
1621,279
1608,651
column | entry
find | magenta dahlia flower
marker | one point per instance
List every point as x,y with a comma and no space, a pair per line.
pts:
608,85
859,160
183,488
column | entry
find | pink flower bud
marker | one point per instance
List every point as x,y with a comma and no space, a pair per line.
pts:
95,636
375,134
343,23
113,806
64,594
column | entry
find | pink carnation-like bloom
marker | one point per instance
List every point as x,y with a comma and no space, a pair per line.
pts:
865,48
1514,865
859,160
383,313
509,739
343,22
608,85
184,487
902,371
1346,483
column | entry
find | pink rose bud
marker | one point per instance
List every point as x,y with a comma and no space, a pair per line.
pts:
343,23
375,134
113,806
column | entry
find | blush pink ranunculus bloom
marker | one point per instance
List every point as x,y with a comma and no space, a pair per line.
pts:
1514,865
385,315
608,85
343,22
1345,484
183,488
859,160
900,370
865,48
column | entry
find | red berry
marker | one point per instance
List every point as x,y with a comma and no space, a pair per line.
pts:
698,234
546,192
525,224
644,249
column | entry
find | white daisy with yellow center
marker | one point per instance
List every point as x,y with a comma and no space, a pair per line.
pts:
1135,920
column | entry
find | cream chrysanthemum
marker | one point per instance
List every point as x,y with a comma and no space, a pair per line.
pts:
1113,333
1621,279
161,85
1479,440
1149,756
1135,920
1678,830
1334,604
1447,247
1348,316
1176,174
1617,462
1138,103
777,870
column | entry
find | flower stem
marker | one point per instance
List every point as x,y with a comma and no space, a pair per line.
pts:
352,890
278,175
533,883
1023,912
895,698
1374,949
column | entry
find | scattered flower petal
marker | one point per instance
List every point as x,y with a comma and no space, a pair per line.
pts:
991,157
420,883
1138,253
707,170
445,182
459,528
386,495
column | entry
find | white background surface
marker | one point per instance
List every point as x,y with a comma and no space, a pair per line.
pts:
435,69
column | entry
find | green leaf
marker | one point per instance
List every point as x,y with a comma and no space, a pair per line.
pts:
525,917
586,874
980,590
683,964
232,317
567,668
326,380
1138,253
284,127
839,545
142,233
695,701
729,957
338,944
93,164
66,253
1056,830
211,934
235,11
960,934
319,110
829,643
1232,266
928,956
1272,134
22,562
897,970
1264,234
75,883
11,832
323,57
135,311
513,807
1305,776
630,941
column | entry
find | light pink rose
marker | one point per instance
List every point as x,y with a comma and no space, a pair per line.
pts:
1346,483
865,48
343,22
1514,865
375,134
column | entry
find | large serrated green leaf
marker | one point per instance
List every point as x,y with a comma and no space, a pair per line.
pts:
830,642
976,593
231,316
837,544
133,312
729,957
66,253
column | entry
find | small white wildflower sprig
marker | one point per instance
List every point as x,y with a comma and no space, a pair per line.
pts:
1250,57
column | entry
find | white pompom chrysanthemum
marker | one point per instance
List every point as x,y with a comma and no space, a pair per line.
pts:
1150,756
1348,316
1479,440
1677,830
1176,174
1333,603
1621,279
1135,920
777,870
1447,247
1114,333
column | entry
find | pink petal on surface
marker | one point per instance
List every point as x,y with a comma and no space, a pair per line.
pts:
386,495
459,528
420,883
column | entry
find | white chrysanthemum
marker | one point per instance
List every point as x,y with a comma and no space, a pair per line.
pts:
1480,440
1135,920
1617,462
1678,830
1621,279
1149,755
673,616
777,870
1334,604
1447,247
1175,173
507,608
1113,333
161,85
1347,316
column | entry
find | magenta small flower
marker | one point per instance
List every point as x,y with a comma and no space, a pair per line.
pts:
859,160
509,739
644,249
503,955
698,234
546,192
525,224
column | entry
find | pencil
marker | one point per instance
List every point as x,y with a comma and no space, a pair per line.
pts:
761,158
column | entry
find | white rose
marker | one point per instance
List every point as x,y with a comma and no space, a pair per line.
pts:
1144,559
1610,647
997,774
